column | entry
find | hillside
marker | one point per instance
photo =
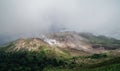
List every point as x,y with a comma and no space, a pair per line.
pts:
62,51
66,40
102,41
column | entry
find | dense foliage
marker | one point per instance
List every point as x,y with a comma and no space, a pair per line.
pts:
27,61
114,67
48,61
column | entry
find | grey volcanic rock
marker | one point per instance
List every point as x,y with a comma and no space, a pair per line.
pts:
66,43
70,40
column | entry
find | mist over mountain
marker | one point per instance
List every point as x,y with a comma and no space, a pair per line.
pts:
30,18
59,35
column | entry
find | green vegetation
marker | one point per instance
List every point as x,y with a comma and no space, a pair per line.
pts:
55,59
112,64
46,60
114,67
98,56
102,41
27,61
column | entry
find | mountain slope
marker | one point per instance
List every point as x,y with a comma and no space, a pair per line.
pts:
70,40
72,43
107,43
60,50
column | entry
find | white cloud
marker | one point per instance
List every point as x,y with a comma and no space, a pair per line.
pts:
37,16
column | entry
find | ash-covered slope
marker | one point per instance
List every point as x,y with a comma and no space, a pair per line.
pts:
59,50
86,42
30,44
68,40
33,45
71,43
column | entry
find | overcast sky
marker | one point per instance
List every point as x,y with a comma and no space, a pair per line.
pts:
31,17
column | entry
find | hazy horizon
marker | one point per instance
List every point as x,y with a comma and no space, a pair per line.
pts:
19,18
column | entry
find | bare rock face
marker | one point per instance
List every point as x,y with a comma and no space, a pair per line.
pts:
31,44
62,42
70,40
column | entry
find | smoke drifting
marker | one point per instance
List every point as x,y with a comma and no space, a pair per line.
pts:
25,18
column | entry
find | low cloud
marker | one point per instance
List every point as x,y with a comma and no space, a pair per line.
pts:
19,18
